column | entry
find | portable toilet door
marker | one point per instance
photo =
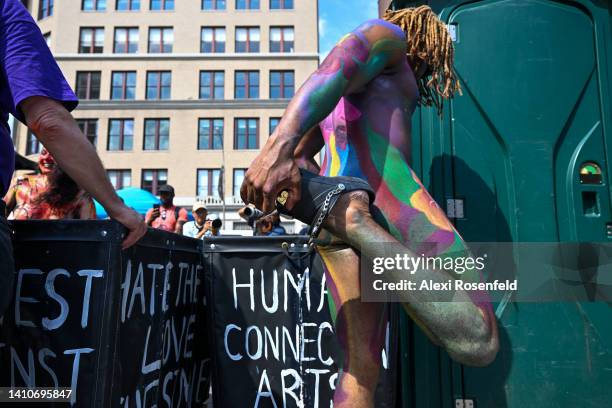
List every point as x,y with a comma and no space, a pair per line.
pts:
524,154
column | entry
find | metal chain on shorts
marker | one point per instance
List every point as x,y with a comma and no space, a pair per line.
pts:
325,209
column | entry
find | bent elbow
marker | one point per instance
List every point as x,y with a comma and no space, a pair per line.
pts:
46,119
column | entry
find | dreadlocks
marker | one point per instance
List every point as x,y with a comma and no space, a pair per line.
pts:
428,43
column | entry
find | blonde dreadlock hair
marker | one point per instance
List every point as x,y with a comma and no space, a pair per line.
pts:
429,42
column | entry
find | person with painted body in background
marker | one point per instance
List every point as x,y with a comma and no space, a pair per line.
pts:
358,104
50,195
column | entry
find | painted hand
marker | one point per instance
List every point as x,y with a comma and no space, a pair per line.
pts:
272,171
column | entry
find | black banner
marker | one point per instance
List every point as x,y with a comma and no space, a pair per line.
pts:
162,351
138,328
273,339
119,328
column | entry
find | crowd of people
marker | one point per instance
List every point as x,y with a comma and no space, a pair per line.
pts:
169,217
52,194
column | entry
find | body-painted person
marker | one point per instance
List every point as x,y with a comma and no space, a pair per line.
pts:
50,195
358,105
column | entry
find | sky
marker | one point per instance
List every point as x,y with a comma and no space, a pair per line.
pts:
338,17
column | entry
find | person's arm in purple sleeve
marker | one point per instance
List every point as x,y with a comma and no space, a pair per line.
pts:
40,98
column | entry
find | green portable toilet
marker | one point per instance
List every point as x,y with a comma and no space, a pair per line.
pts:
525,150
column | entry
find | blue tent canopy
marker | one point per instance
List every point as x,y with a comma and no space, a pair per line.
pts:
139,200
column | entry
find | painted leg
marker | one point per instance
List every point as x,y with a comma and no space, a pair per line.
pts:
360,327
464,327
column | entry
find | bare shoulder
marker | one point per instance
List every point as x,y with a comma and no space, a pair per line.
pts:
379,29
383,39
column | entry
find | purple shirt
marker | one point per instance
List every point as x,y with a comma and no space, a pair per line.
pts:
27,68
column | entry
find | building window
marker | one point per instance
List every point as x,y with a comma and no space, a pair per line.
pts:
157,134
162,5
213,5
45,9
281,84
246,85
158,84
93,5
281,39
247,39
88,84
238,179
124,85
120,178
208,183
212,39
212,84
32,144
89,127
153,179
161,39
273,124
120,134
210,134
247,4
91,40
124,5
126,40
281,4
246,133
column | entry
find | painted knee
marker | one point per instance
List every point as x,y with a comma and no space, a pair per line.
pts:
357,210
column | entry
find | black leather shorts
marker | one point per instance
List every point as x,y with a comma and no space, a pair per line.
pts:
315,189
7,264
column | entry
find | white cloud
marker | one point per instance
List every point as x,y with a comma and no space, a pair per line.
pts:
322,26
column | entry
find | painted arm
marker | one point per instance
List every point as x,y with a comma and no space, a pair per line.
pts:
87,209
373,48
309,146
